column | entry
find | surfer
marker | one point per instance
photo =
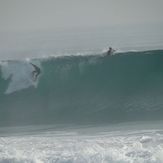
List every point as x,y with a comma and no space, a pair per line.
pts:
36,72
110,51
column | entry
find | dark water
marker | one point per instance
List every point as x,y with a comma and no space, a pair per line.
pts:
83,89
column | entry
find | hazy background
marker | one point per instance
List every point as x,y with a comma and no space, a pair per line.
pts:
45,27
41,14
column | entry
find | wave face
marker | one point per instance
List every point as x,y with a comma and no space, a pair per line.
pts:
83,89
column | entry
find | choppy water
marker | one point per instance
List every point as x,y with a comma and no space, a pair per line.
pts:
127,143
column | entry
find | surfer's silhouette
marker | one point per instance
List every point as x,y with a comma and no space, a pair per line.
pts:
110,51
36,72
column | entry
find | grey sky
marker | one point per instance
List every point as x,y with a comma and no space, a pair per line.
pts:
44,14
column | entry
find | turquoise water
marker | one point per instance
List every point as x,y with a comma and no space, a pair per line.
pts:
83,89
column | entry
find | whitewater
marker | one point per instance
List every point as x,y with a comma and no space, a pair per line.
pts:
84,106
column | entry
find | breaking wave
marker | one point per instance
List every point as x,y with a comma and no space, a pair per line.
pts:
83,89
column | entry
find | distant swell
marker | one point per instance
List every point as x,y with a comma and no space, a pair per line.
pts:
83,89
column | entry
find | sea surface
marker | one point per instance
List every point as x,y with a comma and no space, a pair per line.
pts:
85,106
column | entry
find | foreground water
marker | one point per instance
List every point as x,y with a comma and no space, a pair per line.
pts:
127,143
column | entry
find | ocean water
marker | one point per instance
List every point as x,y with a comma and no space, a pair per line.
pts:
84,107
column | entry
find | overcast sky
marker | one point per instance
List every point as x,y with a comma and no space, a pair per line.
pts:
51,14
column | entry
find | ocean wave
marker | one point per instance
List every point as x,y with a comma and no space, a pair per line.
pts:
92,88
